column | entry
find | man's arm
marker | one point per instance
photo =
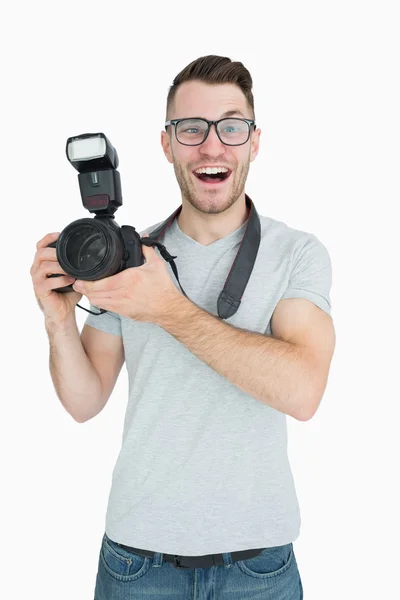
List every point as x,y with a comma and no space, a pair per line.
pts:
288,370
75,379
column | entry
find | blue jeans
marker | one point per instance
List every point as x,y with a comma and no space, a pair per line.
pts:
125,575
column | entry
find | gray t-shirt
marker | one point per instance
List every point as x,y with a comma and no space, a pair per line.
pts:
203,466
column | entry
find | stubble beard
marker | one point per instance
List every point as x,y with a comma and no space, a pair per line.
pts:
211,201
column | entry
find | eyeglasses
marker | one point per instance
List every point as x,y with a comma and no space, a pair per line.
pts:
193,132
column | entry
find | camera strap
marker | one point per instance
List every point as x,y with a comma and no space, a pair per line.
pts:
235,284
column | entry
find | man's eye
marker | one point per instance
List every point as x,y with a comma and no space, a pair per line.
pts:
192,130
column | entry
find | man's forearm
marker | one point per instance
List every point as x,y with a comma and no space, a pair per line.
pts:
75,379
275,372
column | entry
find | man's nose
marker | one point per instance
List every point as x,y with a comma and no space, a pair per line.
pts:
212,145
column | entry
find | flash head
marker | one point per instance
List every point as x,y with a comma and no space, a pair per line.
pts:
96,160
91,152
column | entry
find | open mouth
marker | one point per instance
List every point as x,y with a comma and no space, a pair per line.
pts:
212,178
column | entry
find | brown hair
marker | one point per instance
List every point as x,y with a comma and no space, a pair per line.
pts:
214,69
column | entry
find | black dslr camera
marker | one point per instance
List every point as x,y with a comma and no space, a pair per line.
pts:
92,249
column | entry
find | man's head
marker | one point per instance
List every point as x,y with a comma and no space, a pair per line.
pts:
212,88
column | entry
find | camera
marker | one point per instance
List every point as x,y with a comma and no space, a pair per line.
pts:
94,248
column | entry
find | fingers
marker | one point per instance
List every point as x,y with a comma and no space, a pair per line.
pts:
44,288
47,239
45,263
43,253
46,268
49,267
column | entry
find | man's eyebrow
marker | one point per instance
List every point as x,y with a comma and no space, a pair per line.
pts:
230,113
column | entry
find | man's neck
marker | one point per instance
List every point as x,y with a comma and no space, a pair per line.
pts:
208,228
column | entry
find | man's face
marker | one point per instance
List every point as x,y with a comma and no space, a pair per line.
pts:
198,99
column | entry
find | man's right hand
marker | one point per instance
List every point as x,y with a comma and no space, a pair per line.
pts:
56,306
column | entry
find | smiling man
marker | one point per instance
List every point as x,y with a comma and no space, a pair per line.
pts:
203,480
202,502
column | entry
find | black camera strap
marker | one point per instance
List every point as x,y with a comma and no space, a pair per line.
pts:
166,256
231,295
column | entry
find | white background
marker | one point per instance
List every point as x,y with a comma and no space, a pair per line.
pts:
327,102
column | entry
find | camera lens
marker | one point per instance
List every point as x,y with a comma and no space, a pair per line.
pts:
91,248
86,248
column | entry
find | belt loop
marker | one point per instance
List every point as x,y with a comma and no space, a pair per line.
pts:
227,558
157,559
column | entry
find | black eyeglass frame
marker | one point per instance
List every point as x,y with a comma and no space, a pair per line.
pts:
174,122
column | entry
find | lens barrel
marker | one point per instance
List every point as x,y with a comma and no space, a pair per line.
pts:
91,249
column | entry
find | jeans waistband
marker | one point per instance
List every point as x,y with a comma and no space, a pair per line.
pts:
197,562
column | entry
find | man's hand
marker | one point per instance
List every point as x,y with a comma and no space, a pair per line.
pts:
142,293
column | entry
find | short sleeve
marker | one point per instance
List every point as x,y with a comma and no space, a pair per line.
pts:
311,274
109,322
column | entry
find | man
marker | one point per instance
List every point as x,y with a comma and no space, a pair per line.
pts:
202,503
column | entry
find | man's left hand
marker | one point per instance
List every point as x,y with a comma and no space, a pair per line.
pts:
142,293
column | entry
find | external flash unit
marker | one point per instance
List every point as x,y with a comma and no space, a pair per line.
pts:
93,156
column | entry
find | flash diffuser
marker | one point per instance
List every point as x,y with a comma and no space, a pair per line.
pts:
86,148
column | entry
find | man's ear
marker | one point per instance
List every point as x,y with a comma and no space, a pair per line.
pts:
166,145
255,144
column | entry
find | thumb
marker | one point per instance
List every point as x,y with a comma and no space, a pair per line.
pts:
148,251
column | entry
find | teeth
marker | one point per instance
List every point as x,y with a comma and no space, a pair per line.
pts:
212,171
